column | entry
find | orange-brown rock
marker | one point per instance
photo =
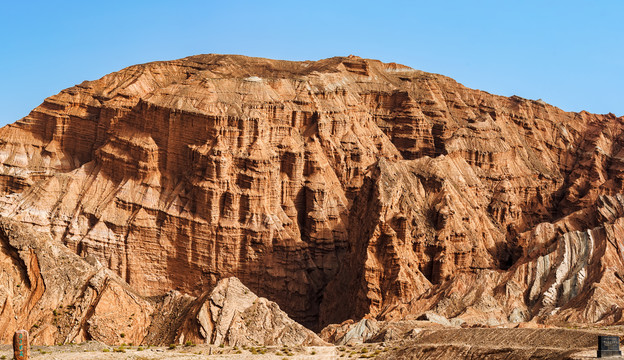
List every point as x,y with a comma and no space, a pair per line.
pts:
338,188
21,345
63,298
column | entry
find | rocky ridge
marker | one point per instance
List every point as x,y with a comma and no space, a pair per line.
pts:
339,188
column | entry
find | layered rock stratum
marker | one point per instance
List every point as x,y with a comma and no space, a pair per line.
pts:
341,188
62,298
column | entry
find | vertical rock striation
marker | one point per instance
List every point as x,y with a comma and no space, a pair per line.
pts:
339,188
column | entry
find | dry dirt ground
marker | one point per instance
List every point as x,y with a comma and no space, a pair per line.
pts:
502,343
444,343
92,351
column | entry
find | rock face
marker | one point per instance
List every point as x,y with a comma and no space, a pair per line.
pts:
62,298
338,188
231,314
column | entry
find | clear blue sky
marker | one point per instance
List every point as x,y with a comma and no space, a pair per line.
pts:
568,53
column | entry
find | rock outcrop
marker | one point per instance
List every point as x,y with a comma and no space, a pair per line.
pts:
338,188
231,314
62,298
565,276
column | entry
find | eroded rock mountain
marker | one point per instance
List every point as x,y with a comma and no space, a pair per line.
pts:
337,188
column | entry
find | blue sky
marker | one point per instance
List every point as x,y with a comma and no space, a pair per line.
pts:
568,53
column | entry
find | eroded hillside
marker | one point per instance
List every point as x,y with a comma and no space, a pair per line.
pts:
337,188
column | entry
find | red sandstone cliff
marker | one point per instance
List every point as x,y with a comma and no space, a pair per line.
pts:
338,188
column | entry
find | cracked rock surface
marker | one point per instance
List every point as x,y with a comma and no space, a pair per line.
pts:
61,298
338,188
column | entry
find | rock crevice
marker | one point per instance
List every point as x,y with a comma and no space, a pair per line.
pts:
338,188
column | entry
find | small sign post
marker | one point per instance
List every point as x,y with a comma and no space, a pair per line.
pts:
608,346
21,346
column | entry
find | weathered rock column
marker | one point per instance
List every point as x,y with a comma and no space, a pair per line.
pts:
21,347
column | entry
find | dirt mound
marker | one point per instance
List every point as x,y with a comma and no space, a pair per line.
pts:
500,344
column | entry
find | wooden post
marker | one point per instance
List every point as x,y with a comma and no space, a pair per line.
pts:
21,346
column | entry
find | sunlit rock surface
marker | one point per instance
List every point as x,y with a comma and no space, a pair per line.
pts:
337,188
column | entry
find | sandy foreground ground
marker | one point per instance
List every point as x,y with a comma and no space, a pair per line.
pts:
432,344
90,351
